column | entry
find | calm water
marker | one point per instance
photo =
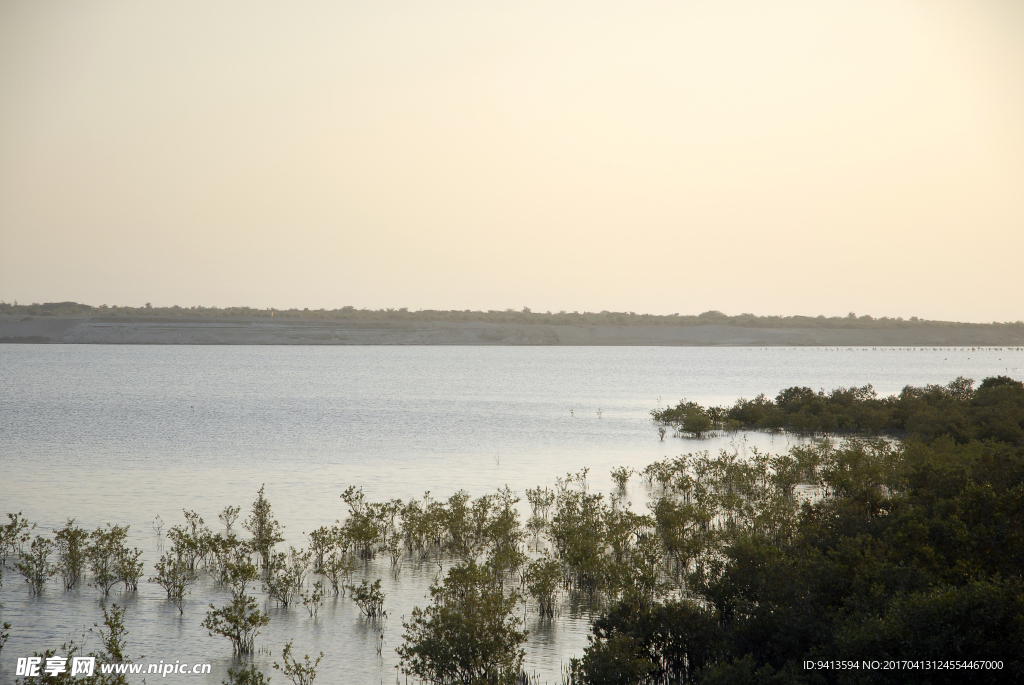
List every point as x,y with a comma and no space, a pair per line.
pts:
120,434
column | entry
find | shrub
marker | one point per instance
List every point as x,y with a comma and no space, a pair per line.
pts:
285,575
106,549
245,676
72,548
240,620
313,598
666,643
369,598
175,577
35,564
467,635
337,567
266,531
543,576
13,536
300,673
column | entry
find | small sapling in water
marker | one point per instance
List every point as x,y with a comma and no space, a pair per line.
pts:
621,476
240,620
369,598
109,558
175,577
13,536
245,676
35,564
300,673
313,598
72,544
543,577
266,531
228,517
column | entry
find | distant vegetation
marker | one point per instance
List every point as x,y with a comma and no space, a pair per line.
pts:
743,569
507,316
995,411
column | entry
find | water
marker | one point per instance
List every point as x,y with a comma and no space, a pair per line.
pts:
120,434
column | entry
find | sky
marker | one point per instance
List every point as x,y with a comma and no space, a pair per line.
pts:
786,157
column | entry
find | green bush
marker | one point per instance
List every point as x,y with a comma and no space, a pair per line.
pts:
468,634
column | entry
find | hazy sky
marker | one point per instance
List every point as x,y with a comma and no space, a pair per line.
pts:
771,157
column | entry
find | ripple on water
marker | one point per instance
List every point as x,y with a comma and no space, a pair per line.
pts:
121,434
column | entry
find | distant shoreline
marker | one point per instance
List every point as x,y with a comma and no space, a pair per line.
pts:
206,330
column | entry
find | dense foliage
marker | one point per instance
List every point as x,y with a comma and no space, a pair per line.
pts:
995,410
468,634
912,551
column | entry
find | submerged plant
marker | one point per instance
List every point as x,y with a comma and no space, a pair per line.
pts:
299,672
621,476
266,531
35,564
336,568
228,516
175,577
286,575
241,619
468,634
313,598
107,554
157,524
542,579
129,568
190,542
245,676
369,598
72,552
13,536
113,634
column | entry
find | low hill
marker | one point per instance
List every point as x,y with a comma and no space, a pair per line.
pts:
71,322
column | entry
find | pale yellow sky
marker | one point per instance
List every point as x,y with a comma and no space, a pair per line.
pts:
772,157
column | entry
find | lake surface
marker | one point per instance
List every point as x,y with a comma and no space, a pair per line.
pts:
120,434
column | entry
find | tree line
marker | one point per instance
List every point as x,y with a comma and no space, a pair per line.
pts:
992,411
504,316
